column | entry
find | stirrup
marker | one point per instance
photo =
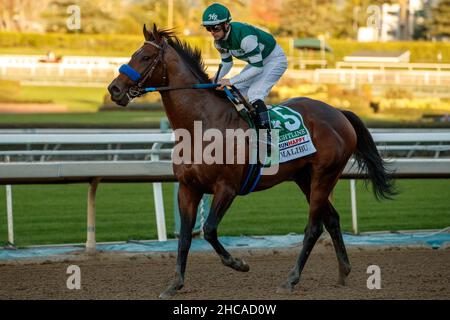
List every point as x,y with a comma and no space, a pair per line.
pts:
264,120
262,112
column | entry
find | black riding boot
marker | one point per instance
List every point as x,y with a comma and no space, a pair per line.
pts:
263,121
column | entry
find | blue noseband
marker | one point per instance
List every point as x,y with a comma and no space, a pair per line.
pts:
130,72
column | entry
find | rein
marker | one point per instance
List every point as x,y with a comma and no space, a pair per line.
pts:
140,78
191,86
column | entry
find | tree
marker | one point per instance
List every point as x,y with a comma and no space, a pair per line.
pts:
265,13
98,16
354,15
305,18
421,25
186,15
21,15
440,20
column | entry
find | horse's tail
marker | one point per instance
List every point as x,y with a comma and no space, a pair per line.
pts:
368,158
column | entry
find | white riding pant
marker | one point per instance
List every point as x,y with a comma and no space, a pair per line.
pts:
258,87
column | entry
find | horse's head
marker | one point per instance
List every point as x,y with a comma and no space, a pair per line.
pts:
145,68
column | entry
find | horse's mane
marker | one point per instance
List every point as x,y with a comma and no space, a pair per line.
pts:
191,56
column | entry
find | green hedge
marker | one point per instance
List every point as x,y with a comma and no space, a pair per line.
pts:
124,45
9,90
421,51
79,43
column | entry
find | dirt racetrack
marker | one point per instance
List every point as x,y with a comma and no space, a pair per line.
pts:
406,273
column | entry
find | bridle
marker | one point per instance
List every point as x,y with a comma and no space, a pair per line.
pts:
140,78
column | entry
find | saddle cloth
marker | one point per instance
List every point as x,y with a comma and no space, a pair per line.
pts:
289,134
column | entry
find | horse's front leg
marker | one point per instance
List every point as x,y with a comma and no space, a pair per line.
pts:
188,200
223,197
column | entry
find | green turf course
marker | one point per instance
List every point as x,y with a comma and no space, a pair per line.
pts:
51,214
83,104
79,99
149,119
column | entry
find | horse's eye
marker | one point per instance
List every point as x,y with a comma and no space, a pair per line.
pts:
146,58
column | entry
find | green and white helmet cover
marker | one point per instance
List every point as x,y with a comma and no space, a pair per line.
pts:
215,14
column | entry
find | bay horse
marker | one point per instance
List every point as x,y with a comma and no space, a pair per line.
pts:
164,60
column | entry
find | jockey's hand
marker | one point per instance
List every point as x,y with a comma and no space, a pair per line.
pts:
223,83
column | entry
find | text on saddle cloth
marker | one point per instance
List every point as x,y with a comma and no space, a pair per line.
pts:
289,138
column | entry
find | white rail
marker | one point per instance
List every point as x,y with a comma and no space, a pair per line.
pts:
92,172
8,139
394,65
156,170
95,71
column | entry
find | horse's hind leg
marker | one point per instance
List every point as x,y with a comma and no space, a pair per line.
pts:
223,197
332,224
188,200
317,195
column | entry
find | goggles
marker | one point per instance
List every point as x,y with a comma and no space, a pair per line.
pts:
215,28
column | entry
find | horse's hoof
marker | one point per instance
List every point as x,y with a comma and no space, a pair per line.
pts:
172,289
285,288
167,294
236,264
342,281
239,265
343,275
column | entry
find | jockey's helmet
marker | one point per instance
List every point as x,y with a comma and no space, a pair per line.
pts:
215,14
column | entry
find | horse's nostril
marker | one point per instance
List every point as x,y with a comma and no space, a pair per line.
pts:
115,89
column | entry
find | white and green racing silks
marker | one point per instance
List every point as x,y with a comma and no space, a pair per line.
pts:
246,43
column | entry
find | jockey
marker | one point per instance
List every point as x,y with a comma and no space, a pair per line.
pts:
266,59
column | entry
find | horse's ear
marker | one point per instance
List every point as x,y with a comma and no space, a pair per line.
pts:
147,35
156,33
